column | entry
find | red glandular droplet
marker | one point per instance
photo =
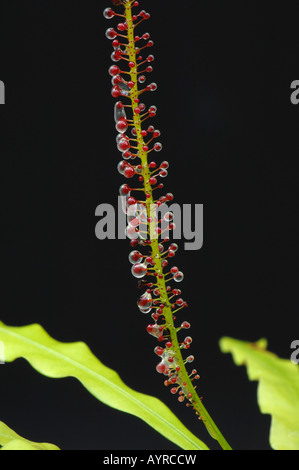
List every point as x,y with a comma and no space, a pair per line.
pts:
178,277
158,148
174,247
132,233
145,303
188,340
124,190
139,270
152,112
190,359
135,222
161,368
123,145
135,257
121,167
155,330
129,172
158,350
116,55
108,13
114,70
116,80
131,201
153,86
111,33
121,26
122,125
115,92
152,180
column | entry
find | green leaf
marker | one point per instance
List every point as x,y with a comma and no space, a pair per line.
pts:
10,440
55,359
278,389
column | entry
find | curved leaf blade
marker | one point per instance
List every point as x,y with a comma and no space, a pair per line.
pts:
56,359
278,389
10,440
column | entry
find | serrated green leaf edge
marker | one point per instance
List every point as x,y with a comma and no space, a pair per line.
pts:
278,389
10,440
56,359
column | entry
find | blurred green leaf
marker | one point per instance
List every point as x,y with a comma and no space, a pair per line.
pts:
278,389
10,440
55,359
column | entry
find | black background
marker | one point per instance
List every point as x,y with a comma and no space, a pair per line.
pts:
230,133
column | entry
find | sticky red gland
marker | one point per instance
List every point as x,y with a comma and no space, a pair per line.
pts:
161,368
125,188
121,27
131,201
109,13
115,92
111,33
114,70
158,350
153,180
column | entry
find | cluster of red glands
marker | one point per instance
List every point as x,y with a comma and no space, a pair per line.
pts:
137,211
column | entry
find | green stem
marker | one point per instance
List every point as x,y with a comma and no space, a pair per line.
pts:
161,284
